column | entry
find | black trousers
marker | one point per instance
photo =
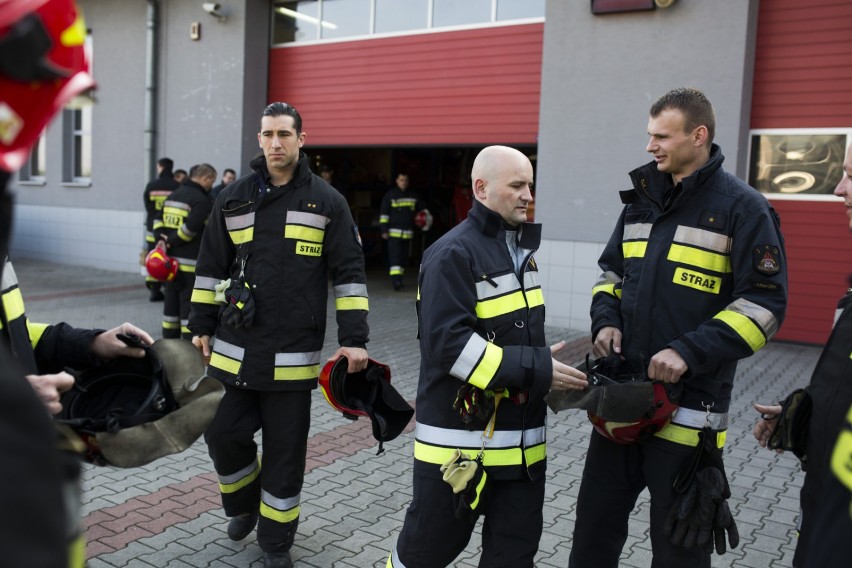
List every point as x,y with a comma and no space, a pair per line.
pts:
613,478
176,305
274,488
398,255
432,537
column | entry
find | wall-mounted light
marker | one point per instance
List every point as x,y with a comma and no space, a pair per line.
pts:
215,10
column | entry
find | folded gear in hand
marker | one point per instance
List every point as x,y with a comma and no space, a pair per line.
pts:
131,411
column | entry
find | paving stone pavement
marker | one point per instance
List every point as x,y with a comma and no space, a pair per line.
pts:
167,514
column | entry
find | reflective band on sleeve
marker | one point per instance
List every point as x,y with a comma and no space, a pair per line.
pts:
350,290
535,454
185,234
700,258
469,357
703,238
744,327
634,249
688,436
535,298
487,367
384,218
203,297
636,231
300,233
765,319
13,304
36,330
10,278
352,303
531,279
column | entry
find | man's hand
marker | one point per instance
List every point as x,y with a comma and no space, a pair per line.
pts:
606,336
202,343
107,345
564,376
49,387
767,423
385,236
356,357
667,366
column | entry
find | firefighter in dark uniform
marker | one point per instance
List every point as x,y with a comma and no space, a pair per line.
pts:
694,279
481,329
396,220
825,524
43,65
180,226
156,193
261,289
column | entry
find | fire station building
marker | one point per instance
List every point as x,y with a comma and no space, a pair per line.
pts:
420,86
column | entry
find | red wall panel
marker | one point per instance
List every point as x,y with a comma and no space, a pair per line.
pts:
802,70
479,86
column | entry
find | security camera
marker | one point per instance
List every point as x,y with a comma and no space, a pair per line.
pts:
214,9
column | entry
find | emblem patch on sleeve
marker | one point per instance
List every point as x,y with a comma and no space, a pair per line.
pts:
767,259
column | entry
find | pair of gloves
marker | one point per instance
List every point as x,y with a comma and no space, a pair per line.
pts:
475,406
239,304
469,481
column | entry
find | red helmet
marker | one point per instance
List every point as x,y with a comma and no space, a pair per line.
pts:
160,265
423,219
49,68
657,418
366,393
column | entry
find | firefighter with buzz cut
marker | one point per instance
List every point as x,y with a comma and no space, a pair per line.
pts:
480,444
396,219
156,193
180,227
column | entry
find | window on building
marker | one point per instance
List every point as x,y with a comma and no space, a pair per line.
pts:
345,18
295,21
35,168
519,9
401,15
77,145
454,13
800,162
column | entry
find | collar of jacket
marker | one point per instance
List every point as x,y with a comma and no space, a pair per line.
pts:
490,224
648,179
193,185
301,174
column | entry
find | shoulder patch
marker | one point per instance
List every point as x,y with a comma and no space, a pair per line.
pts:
767,259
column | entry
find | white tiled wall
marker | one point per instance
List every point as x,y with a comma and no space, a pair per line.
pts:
100,238
569,269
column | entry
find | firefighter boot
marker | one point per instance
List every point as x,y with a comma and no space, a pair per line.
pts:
277,560
240,526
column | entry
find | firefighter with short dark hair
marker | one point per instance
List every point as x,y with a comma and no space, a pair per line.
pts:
694,279
180,227
396,220
155,195
484,371
275,237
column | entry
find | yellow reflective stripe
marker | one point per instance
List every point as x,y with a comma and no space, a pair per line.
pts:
226,364
295,373
241,236
203,296
498,306
183,236
36,330
299,232
608,289
535,298
77,552
75,34
700,258
479,487
280,516
634,249
352,303
744,327
171,325
535,454
487,367
841,459
13,304
186,267
688,436
439,455
239,484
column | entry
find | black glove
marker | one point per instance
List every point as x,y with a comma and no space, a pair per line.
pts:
702,511
791,432
474,406
239,311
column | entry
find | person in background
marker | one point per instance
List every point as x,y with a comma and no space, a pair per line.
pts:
180,176
228,177
396,220
156,193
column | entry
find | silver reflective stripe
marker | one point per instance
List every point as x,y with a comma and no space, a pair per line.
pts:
234,477
308,219
9,277
345,290
469,357
239,221
228,349
177,205
395,561
608,277
531,279
465,439
279,504
186,261
702,238
187,232
637,231
535,436
763,317
171,319
206,283
296,359
698,418
505,284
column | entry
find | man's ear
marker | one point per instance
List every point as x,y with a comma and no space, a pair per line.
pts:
479,188
700,135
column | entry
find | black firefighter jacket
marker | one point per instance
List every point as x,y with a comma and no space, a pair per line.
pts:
706,276
479,323
183,219
156,193
396,216
288,240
